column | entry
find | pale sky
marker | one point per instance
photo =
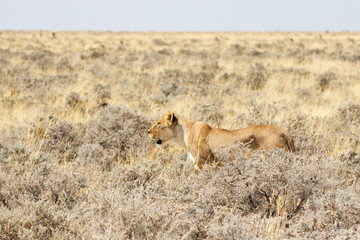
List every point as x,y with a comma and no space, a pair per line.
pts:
181,15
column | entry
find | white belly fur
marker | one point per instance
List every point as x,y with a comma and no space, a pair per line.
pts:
190,158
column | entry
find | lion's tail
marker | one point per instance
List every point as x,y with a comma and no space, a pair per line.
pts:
289,142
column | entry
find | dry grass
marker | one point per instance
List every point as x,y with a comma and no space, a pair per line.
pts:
76,162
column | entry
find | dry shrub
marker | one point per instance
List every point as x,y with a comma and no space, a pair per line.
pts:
350,58
25,176
61,138
153,59
116,134
34,196
297,71
183,77
102,95
176,82
350,168
169,89
257,76
15,153
74,101
211,67
140,174
36,56
44,82
165,52
121,132
5,56
64,65
304,132
131,56
233,83
189,54
44,59
91,152
18,73
159,42
230,77
127,203
260,112
142,201
97,54
238,49
274,183
350,113
324,80
172,76
204,77
58,80
224,204
34,203
256,53
315,51
210,113
292,187
64,189
35,220
330,215
345,133
304,94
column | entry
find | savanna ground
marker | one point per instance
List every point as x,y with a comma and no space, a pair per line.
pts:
76,161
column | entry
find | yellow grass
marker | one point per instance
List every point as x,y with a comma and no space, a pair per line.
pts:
281,86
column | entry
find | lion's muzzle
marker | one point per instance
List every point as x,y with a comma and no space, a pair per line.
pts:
158,141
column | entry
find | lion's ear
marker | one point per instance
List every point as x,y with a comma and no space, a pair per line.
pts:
169,116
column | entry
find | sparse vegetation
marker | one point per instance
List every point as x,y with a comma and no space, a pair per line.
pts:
76,161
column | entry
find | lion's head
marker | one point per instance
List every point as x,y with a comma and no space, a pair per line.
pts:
163,130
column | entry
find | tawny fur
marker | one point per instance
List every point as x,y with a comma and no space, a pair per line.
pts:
201,140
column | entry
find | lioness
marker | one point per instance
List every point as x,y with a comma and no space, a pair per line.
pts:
200,140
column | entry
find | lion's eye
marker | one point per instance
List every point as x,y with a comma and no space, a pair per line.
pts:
158,124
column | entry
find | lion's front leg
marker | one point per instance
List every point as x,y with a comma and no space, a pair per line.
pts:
205,158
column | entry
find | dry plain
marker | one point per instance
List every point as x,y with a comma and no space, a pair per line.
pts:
76,161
